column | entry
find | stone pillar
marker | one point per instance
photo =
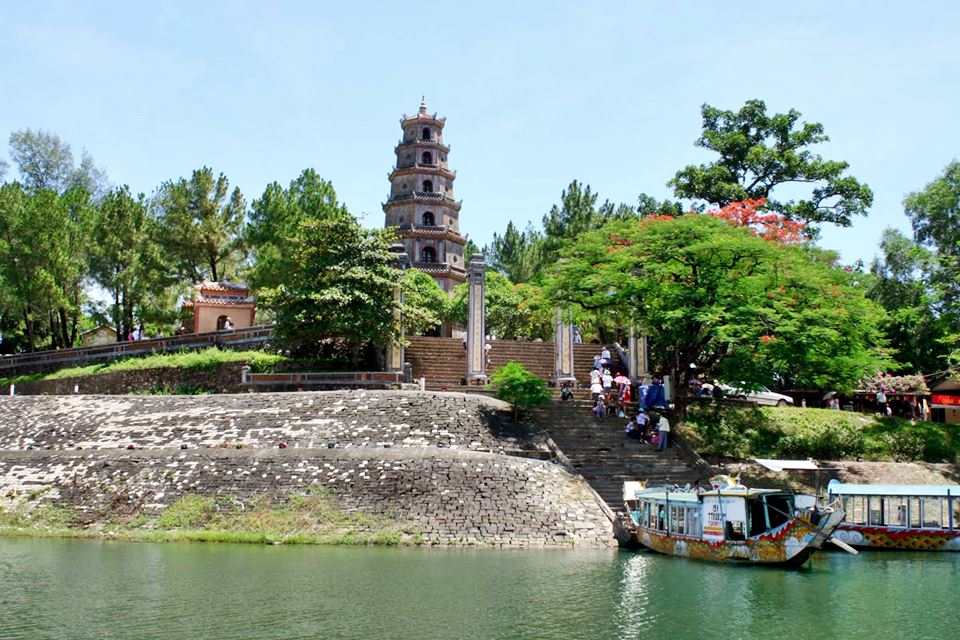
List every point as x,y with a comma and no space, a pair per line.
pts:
476,325
637,365
563,370
395,350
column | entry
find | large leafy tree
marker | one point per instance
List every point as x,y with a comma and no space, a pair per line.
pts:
202,221
276,218
935,215
760,152
44,243
126,260
425,302
717,299
513,311
903,283
339,285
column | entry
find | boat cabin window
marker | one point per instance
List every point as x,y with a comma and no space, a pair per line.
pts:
915,513
956,512
895,511
769,512
933,513
875,510
733,530
856,509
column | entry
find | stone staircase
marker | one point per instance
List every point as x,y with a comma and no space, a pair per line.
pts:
443,362
605,457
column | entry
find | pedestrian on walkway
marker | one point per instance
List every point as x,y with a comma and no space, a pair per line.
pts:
663,427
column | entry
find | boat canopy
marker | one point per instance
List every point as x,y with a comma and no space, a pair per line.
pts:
838,488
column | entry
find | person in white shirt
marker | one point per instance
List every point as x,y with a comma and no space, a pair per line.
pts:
607,380
663,427
595,376
596,390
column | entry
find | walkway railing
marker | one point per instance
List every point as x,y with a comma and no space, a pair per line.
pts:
323,379
41,360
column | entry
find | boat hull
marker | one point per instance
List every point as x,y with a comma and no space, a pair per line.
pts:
790,545
905,539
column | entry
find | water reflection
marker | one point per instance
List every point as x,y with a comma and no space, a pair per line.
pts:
79,590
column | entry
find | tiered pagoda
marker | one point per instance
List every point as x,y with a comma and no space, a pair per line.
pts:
421,205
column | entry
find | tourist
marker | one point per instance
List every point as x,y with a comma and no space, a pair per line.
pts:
566,393
607,380
605,357
621,381
597,362
643,423
634,430
228,324
656,395
595,376
596,390
882,401
599,408
663,429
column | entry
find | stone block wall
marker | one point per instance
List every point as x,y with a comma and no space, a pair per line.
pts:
448,466
223,379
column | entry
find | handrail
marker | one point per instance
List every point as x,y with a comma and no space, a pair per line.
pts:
39,359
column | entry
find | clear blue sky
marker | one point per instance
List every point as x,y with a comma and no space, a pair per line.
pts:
536,94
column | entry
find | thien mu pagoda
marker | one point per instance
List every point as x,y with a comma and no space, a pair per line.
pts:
421,204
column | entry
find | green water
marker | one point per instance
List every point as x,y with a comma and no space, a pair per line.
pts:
78,589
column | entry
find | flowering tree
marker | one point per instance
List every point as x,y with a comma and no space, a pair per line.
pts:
769,225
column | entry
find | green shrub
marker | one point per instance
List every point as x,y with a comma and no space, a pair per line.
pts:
189,512
815,433
523,390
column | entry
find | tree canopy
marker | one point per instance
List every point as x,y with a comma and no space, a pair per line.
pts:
717,299
202,222
760,152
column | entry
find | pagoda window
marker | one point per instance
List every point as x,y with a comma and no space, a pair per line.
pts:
428,220
426,133
428,254
428,186
426,158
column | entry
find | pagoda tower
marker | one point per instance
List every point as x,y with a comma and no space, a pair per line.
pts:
421,206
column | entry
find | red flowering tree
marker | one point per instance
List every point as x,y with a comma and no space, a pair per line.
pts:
766,224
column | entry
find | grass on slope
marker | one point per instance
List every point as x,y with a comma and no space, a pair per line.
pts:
208,359
314,518
788,432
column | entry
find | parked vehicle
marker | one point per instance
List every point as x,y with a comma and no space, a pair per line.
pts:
760,395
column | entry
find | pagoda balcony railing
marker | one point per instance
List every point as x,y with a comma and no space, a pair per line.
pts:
426,195
437,267
428,228
435,143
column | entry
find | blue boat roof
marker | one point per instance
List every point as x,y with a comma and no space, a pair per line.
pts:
839,488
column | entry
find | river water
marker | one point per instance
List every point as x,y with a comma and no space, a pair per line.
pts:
79,589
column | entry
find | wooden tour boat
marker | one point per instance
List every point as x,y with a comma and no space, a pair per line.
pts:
890,516
729,522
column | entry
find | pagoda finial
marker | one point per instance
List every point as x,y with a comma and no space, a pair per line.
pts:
423,104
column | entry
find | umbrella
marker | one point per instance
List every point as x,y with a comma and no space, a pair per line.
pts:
622,379
829,394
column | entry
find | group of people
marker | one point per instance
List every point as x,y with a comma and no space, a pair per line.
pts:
612,393
652,427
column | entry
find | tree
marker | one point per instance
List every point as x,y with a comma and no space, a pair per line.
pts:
276,218
903,285
126,258
44,244
935,215
519,387
425,302
761,152
767,225
339,286
649,206
718,300
45,161
513,312
202,221
517,254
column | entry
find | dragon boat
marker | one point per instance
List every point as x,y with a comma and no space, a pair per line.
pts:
729,522
899,516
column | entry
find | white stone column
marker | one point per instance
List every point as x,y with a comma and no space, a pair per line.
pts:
563,370
395,350
476,325
637,356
